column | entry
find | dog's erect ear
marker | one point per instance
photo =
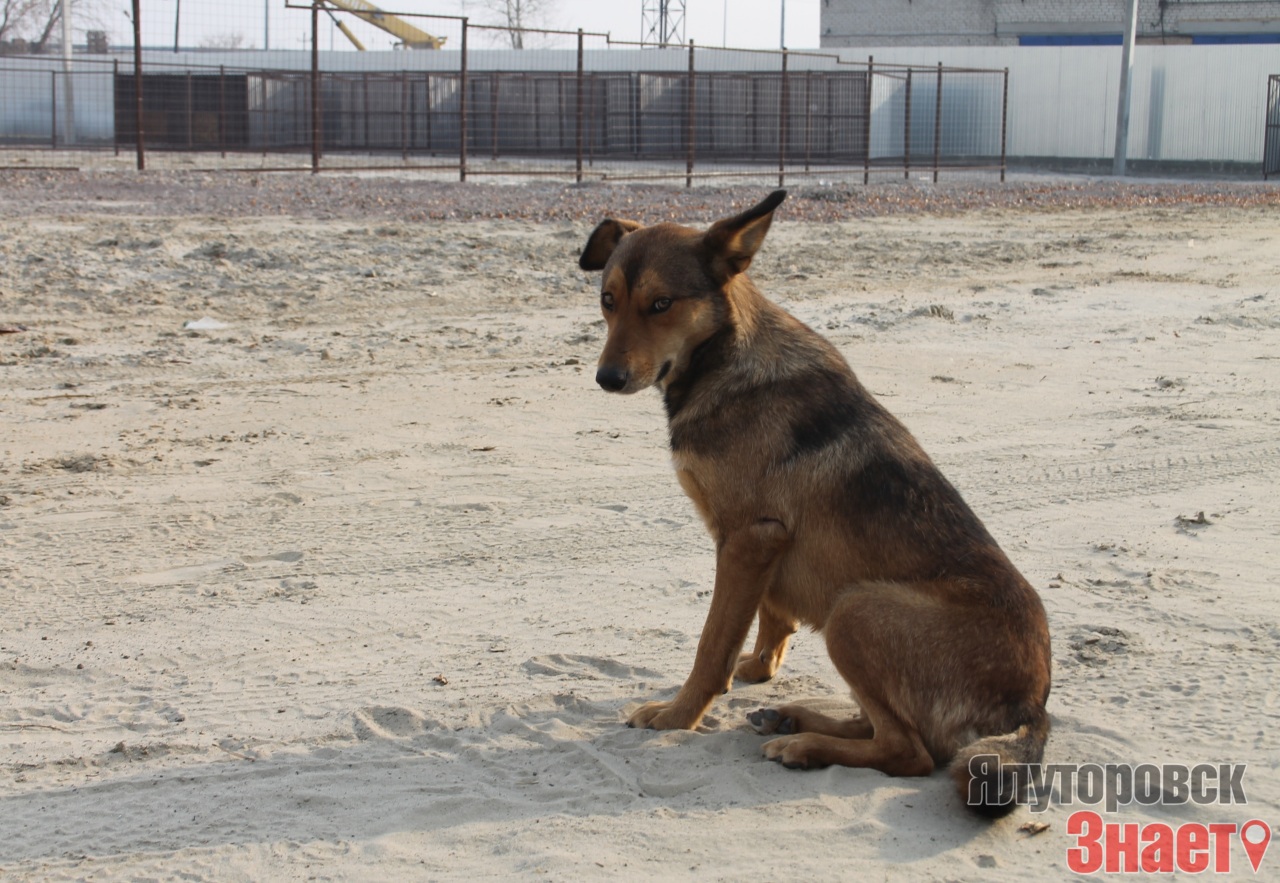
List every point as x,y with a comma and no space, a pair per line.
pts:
733,242
603,240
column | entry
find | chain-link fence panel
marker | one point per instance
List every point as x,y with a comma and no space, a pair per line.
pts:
346,85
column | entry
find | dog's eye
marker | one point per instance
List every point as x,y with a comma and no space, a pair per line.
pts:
661,305
606,301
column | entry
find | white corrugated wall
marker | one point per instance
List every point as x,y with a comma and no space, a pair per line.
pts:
1189,103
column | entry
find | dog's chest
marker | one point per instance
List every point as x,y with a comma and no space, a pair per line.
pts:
694,488
725,493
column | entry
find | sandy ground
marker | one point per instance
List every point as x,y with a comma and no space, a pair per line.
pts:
362,582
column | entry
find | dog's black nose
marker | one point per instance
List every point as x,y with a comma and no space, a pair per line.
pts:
612,379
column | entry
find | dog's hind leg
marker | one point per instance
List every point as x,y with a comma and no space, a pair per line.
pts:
772,637
902,754
869,638
893,747
788,720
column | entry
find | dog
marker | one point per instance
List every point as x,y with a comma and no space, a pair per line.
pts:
825,512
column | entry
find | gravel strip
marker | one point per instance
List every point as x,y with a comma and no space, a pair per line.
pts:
333,196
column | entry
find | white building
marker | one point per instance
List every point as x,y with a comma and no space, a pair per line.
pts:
857,23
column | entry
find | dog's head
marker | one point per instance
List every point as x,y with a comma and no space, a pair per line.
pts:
663,290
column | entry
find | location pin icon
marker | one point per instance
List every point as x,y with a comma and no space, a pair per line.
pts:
1256,837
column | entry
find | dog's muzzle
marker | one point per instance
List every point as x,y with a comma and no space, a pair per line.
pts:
612,379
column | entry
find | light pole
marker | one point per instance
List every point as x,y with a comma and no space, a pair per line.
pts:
1122,107
782,32
177,16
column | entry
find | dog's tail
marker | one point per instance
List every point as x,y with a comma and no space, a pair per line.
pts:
994,772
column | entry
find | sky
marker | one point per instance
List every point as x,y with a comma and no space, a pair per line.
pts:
753,24
737,23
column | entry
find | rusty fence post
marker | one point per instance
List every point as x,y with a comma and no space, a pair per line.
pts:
404,116
115,78
1004,127
866,129
315,88
597,113
462,107
784,121
580,89
411,87
691,132
937,126
906,132
808,117
427,111
493,112
137,85
366,117
222,109
1266,130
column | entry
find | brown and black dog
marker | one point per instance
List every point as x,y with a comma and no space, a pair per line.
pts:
825,512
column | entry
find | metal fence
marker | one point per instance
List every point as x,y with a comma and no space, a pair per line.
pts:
1271,143
571,104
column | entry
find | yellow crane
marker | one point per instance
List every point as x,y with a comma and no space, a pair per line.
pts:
409,36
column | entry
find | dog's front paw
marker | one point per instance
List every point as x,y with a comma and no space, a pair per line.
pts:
792,752
770,721
662,716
